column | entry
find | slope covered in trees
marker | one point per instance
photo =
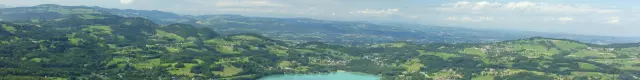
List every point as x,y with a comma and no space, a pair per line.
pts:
99,46
114,47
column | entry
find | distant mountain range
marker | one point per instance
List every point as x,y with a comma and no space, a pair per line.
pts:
517,34
304,30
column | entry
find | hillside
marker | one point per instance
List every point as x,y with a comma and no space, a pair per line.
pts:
113,47
304,30
100,46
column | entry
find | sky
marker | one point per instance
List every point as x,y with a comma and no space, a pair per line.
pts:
591,17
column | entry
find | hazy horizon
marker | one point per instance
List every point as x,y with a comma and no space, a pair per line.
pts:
588,17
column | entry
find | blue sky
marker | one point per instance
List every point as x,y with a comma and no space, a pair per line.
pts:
592,17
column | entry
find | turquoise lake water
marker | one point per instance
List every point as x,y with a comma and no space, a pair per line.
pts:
331,76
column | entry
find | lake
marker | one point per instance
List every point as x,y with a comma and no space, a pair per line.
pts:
330,76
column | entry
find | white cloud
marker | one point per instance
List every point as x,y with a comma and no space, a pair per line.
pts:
413,17
373,12
524,6
475,6
126,1
470,19
565,19
451,18
613,20
520,5
247,3
486,18
560,19
531,12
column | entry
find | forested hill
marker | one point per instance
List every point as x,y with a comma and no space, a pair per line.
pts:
302,29
96,46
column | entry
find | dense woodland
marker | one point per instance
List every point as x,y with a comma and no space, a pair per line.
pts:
87,44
